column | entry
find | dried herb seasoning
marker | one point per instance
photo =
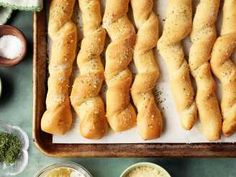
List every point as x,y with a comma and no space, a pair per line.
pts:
10,148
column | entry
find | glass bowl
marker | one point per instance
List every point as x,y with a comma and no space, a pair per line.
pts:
76,168
22,161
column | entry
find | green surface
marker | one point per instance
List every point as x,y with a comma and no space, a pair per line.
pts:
16,108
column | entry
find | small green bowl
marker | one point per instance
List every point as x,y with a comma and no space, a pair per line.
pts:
164,173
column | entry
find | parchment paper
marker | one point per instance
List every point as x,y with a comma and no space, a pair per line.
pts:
173,132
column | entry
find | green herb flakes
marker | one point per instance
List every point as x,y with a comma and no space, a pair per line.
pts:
10,148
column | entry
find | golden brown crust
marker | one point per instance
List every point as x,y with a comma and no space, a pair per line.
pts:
60,13
224,68
149,118
57,118
203,37
120,113
85,95
177,26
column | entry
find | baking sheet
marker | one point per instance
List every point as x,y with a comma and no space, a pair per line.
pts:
173,132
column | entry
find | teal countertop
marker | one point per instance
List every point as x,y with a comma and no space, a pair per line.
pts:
16,108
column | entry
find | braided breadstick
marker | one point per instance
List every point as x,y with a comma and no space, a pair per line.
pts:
224,68
63,32
149,118
120,113
177,26
85,93
203,37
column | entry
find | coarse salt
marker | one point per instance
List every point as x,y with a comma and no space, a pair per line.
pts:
10,46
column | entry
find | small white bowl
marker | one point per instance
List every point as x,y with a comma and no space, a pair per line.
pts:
163,172
22,162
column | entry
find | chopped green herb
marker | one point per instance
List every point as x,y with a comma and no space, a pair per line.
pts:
159,99
10,148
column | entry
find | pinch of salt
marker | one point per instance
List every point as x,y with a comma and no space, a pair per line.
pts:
10,46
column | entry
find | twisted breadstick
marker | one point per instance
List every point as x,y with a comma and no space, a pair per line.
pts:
224,68
120,113
63,33
149,118
85,96
177,26
203,37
